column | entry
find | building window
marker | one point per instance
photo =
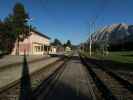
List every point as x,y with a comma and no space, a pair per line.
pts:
37,48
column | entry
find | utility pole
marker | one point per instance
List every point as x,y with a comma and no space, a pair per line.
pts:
91,30
90,44
90,39
92,27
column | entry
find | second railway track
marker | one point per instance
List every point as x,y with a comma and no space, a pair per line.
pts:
112,86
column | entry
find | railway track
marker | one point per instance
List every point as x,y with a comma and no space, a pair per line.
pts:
67,83
105,92
17,90
44,89
111,86
125,75
122,80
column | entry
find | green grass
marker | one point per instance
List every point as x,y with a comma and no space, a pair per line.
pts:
123,56
115,60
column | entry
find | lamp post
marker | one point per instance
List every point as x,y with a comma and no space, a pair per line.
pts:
28,45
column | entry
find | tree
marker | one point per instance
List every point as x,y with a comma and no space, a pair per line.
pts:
1,36
7,38
14,28
56,42
68,43
64,45
20,24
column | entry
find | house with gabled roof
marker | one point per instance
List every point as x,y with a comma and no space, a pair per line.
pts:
35,44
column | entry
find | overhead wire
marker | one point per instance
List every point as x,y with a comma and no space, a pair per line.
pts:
92,23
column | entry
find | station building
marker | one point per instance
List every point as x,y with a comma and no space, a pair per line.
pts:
36,44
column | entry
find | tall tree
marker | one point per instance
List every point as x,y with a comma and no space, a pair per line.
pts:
20,23
68,43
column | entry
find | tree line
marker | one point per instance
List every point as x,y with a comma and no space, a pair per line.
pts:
57,42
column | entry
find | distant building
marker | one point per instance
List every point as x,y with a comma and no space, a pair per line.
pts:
53,50
56,49
67,49
36,44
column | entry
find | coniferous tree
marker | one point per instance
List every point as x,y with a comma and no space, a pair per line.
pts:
14,28
20,24
56,42
68,43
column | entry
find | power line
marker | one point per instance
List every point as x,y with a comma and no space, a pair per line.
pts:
102,9
92,24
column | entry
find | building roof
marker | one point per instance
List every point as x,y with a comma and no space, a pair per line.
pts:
41,34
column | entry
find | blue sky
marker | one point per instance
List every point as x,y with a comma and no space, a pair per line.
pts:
69,19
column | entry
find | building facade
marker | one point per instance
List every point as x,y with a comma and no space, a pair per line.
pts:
36,44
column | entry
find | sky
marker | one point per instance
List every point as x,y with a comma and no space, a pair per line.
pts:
70,19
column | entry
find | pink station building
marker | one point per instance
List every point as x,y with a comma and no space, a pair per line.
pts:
36,44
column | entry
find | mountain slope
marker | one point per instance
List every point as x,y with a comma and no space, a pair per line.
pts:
115,33
117,36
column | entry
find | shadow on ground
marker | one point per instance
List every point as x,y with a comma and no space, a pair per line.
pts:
114,65
2,55
25,85
59,91
64,91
